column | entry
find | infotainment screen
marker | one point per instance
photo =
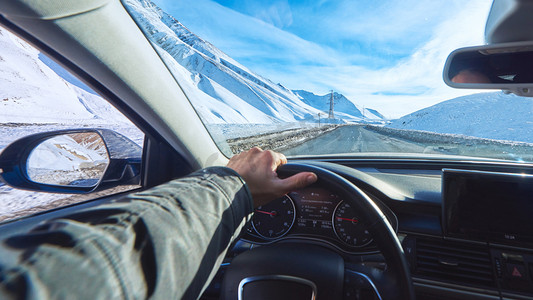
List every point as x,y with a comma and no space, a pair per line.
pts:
488,206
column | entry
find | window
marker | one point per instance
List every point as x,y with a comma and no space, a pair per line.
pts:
37,95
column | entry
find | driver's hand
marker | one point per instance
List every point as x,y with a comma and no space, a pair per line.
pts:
258,169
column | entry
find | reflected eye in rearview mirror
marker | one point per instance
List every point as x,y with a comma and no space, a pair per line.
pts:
74,159
498,66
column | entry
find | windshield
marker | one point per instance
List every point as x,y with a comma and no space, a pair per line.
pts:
335,77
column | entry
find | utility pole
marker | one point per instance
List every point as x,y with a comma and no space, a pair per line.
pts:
331,104
363,113
319,119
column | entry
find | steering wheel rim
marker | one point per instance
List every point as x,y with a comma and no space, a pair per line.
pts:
394,283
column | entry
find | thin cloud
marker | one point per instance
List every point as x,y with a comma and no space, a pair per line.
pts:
276,13
408,85
245,38
395,83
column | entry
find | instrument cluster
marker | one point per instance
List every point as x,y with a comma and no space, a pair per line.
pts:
313,213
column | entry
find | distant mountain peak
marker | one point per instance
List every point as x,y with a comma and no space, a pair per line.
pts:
342,104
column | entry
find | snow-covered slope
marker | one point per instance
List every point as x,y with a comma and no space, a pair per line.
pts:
34,90
222,90
31,92
375,113
487,115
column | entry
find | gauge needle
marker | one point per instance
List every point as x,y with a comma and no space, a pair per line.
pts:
266,212
345,219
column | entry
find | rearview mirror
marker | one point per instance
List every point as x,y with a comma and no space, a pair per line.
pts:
500,66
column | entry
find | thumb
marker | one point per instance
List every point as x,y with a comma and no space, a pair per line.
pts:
297,181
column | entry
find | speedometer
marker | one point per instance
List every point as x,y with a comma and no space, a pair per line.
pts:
348,227
274,219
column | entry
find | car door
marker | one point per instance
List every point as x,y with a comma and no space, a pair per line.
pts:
128,74
120,66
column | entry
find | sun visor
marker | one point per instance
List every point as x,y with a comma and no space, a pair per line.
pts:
48,10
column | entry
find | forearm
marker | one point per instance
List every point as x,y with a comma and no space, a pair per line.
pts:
213,216
162,243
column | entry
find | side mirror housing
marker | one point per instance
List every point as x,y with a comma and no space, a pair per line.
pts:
508,67
71,161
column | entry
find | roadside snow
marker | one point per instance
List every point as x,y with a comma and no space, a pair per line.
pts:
14,200
494,115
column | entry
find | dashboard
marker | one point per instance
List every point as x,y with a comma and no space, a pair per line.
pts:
459,236
450,257
317,214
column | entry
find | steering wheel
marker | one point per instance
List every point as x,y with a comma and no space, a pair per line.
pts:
301,271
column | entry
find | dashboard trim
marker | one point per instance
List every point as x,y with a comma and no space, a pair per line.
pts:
522,175
315,241
439,287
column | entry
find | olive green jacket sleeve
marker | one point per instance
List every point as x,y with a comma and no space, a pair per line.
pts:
162,243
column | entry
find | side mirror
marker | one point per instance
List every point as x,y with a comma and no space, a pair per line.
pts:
508,67
71,161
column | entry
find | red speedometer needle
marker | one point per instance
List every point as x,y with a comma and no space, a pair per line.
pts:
266,212
345,219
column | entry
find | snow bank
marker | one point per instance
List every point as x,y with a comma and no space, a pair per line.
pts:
494,115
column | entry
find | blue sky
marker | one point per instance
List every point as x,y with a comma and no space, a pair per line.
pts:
383,54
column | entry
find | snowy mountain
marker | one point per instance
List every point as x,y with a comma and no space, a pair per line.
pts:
486,115
375,113
343,107
31,92
35,90
222,90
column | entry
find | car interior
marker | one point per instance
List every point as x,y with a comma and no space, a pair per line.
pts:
372,227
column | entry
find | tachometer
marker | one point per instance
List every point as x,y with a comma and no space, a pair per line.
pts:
348,228
274,219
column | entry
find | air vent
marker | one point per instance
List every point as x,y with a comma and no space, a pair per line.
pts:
453,262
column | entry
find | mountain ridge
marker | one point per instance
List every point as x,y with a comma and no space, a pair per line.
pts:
206,65
341,105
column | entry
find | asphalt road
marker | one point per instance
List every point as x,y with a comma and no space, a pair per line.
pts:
353,139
